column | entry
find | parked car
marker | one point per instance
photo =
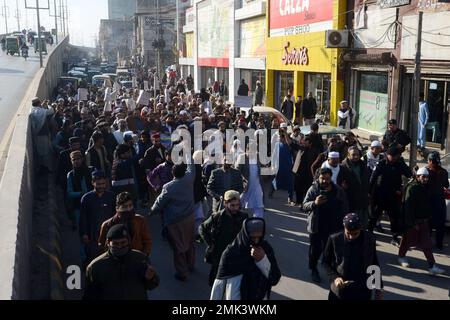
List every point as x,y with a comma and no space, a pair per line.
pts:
98,80
63,81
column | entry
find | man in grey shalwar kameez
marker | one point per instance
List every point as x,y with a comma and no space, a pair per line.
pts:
41,133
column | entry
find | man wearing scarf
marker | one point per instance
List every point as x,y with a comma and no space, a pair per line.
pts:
41,133
248,268
136,225
78,184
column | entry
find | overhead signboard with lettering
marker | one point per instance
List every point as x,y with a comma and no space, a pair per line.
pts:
289,17
392,3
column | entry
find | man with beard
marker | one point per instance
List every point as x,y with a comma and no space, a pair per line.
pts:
358,185
96,207
140,238
396,137
302,169
120,273
385,189
219,230
326,204
78,184
347,257
417,211
64,162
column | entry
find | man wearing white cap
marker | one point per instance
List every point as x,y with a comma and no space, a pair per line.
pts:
417,216
374,155
340,175
345,115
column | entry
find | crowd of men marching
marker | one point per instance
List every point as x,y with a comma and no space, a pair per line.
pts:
114,148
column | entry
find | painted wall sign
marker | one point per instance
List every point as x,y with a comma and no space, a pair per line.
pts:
392,3
296,56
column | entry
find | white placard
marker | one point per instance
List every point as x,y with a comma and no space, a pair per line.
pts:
146,85
131,104
144,98
82,94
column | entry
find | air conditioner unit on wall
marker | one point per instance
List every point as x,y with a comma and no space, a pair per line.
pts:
337,39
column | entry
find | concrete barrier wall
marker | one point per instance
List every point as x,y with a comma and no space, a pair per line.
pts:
16,187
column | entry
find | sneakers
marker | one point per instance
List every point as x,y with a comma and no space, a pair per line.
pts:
315,276
395,242
435,270
403,262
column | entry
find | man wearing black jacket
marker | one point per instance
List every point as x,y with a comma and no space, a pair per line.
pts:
395,136
326,205
385,189
347,257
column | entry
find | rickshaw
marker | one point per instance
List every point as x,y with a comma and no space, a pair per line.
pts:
12,46
43,44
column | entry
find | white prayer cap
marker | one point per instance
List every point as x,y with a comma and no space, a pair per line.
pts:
283,125
198,157
423,172
333,155
375,144
183,113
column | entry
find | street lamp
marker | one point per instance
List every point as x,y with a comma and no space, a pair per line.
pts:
37,8
56,16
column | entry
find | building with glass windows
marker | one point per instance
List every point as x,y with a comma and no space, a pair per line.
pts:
298,60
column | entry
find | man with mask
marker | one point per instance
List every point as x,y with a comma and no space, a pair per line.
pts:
385,188
309,109
96,207
417,210
140,238
222,180
120,273
326,204
347,257
219,230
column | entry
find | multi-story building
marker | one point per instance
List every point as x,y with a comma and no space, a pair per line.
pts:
120,9
156,20
225,40
380,64
116,40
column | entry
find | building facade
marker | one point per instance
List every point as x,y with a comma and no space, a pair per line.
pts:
225,40
298,61
156,20
121,9
116,40
380,65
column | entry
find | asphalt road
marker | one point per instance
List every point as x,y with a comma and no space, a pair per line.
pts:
16,75
287,234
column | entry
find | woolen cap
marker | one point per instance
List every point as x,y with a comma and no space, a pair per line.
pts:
117,232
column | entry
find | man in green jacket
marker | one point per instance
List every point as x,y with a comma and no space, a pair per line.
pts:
219,230
417,213
120,273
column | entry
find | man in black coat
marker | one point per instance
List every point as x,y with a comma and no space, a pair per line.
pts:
155,155
64,162
385,190
120,273
243,89
326,204
395,136
287,107
347,258
309,110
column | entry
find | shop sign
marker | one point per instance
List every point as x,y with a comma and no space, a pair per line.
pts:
289,17
433,5
392,3
296,56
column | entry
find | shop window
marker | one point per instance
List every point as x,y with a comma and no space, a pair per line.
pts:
319,85
372,103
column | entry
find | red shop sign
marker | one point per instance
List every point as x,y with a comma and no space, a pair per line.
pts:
296,56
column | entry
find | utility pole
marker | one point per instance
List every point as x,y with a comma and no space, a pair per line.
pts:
55,15
5,12
37,8
67,17
63,15
18,15
416,96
